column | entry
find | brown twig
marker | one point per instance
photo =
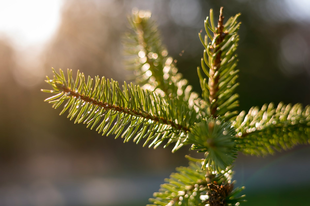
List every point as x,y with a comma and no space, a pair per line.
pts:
123,110
215,66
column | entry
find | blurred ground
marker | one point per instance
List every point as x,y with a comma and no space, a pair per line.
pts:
47,160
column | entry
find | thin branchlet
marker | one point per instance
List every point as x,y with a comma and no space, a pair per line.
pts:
144,45
107,106
215,66
245,133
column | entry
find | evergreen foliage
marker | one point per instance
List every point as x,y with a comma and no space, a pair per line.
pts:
261,131
162,109
192,186
219,56
217,140
130,112
146,55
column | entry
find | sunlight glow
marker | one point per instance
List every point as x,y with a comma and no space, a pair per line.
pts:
300,9
29,22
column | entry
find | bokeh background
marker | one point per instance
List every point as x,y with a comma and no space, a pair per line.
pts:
47,160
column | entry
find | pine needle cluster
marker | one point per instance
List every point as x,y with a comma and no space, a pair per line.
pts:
161,108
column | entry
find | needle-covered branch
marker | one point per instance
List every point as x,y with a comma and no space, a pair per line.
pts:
219,66
217,140
193,186
261,131
154,69
164,110
130,111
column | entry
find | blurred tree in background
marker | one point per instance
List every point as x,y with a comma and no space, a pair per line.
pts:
274,66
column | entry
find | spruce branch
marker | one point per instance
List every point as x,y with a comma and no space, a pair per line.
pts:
215,65
189,183
130,112
194,186
217,140
262,131
164,110
218,90
155,70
